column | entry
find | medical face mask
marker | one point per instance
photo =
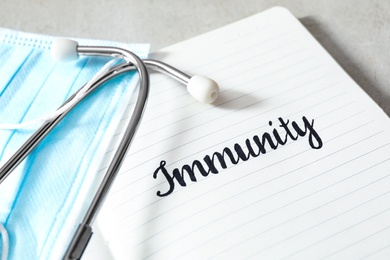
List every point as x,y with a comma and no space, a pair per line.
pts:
43,200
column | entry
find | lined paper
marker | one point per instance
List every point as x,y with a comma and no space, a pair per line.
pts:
294,202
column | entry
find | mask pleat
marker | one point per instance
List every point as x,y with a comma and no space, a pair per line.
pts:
11,61
22,90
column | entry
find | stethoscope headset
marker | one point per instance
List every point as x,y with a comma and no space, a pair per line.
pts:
201,88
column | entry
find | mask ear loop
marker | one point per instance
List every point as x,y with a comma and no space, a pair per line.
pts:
4,237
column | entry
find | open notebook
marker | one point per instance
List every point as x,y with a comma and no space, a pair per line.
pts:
292,161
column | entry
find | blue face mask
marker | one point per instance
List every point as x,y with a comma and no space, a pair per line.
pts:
44,199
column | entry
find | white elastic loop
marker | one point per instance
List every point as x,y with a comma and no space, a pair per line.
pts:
65,107
4,237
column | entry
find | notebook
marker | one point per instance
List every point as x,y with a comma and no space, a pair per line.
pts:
291,162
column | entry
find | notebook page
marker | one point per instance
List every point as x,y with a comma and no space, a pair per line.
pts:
318,187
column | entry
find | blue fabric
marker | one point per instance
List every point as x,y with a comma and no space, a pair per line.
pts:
43,200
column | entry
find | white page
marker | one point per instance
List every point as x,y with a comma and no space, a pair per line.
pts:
292,202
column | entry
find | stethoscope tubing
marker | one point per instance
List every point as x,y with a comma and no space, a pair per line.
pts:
133,62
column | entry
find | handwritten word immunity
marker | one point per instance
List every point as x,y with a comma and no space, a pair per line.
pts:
254,147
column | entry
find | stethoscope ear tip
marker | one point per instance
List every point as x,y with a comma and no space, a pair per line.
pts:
64,50
203,89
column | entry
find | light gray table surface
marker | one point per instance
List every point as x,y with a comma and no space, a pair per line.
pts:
355,32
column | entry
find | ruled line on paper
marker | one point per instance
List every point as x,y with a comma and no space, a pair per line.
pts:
258,29
218,63
343,230
273,212
360,240
268,181
376,252
248,48
258,66
254,46
258,55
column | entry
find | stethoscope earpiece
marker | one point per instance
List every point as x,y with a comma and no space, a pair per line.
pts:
203,89
64,50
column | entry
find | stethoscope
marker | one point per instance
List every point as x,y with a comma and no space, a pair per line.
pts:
201,88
